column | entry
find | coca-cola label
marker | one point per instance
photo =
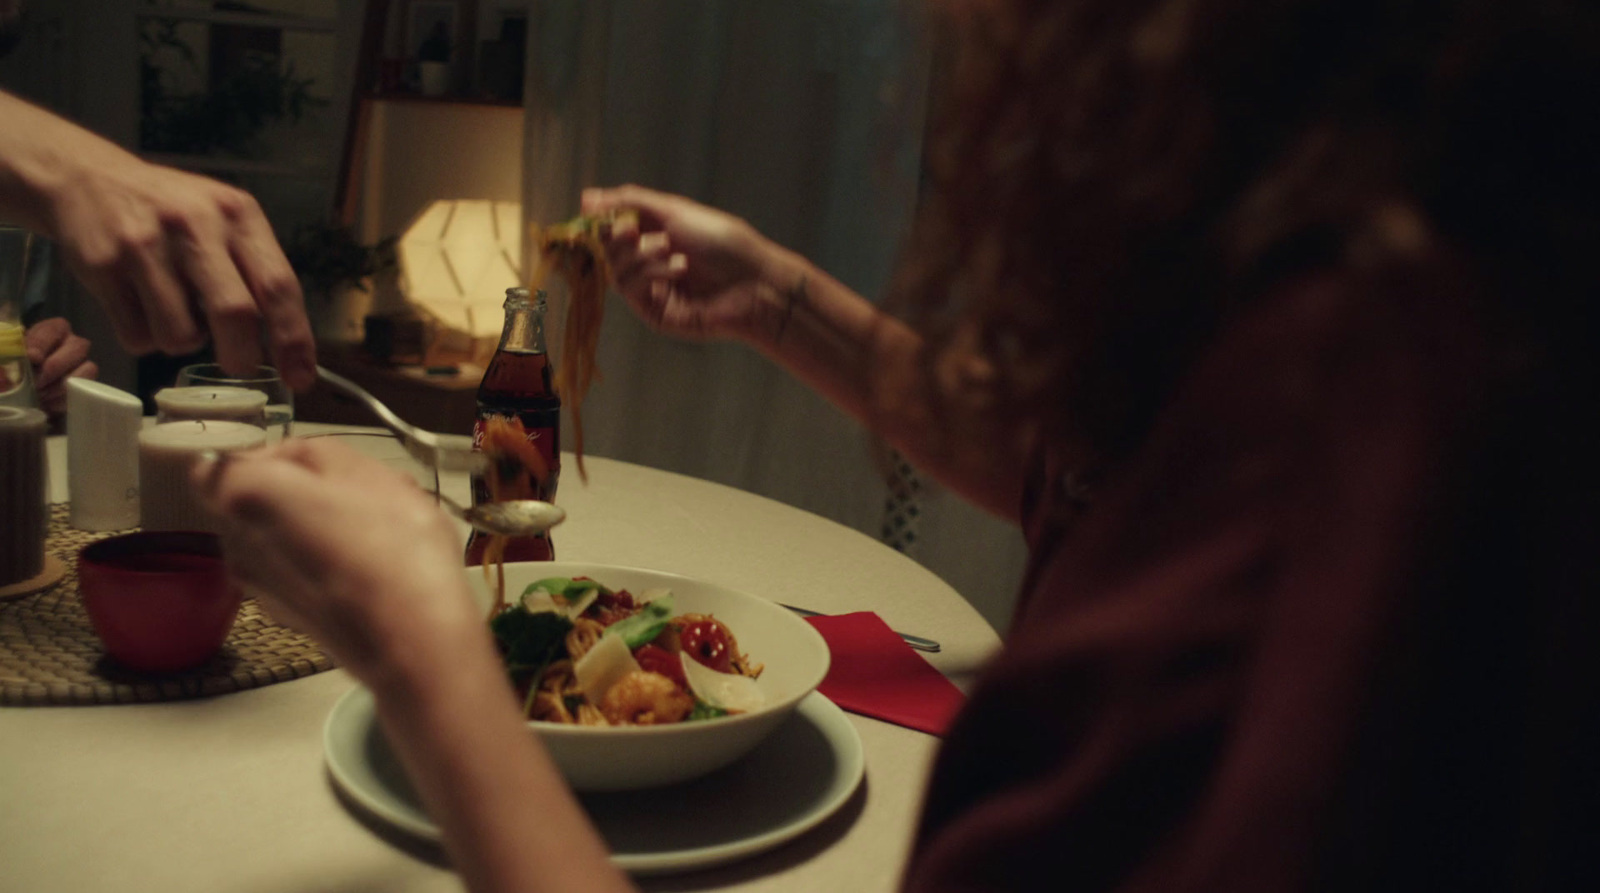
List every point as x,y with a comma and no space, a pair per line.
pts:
544,440
482,423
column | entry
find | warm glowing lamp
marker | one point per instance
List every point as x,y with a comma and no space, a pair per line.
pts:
457,258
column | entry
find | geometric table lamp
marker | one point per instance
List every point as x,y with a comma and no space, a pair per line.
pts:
457,258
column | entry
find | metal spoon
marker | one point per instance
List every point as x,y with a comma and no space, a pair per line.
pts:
514,517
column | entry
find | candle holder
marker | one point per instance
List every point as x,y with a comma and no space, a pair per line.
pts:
167,453
204,403
278,412
24,566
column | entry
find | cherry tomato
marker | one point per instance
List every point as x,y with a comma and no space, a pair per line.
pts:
653,659
707,642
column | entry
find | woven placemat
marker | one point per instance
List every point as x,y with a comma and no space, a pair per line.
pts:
49,654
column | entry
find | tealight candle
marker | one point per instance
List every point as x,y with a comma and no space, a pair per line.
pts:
219,402
167,451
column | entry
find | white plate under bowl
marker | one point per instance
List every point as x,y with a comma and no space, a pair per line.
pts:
791,782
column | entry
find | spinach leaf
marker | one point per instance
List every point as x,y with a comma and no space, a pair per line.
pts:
702,710
528,641
566,587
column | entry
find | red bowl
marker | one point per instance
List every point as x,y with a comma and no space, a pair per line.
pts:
160,601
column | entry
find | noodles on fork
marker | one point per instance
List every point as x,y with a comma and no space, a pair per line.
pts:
573,250
516,471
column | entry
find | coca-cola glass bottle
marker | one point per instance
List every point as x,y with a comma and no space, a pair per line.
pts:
516,401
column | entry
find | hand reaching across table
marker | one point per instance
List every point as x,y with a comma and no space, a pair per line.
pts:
172,256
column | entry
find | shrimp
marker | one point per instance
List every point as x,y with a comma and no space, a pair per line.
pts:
644,698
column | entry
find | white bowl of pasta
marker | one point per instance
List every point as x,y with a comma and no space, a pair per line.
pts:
672,677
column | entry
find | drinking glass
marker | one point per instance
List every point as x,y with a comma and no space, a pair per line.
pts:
16,375
280,400
388,449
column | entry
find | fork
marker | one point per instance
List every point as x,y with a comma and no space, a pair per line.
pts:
446,452
917,642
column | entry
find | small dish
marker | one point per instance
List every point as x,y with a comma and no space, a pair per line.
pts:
160,601
802,774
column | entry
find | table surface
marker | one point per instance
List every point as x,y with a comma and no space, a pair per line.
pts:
230,793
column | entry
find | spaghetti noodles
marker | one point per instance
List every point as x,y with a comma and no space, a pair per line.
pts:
573,250
545,646
516,471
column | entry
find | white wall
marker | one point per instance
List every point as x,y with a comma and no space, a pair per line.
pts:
421,150
806,119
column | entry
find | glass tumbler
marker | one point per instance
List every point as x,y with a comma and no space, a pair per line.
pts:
280,399
16,374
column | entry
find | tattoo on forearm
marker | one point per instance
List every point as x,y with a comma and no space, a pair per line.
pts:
791,296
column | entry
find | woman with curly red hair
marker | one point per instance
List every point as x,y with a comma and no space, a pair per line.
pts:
1270,323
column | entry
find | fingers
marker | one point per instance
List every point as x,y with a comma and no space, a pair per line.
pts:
57,354
326,456
248,483
120,254
66,356
175,256
120,302
630,262
276,291
44,337
230,311
240,486
652,206
246,284
622,229
149,268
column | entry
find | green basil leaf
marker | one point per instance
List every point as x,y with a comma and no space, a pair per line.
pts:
643,627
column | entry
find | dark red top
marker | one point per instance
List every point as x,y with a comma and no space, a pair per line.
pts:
1333,627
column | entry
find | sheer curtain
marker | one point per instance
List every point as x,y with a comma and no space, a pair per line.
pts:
806,119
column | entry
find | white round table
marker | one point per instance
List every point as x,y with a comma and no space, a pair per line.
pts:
230,793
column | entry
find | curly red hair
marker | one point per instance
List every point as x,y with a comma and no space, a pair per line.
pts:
1107,181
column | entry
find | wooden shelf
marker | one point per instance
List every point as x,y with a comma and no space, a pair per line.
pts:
280,21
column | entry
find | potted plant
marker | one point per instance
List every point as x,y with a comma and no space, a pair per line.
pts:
341,276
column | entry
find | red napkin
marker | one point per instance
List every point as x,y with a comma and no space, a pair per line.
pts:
875,673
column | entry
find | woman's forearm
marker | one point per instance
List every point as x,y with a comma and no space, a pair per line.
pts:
693,271
510,822
872,365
